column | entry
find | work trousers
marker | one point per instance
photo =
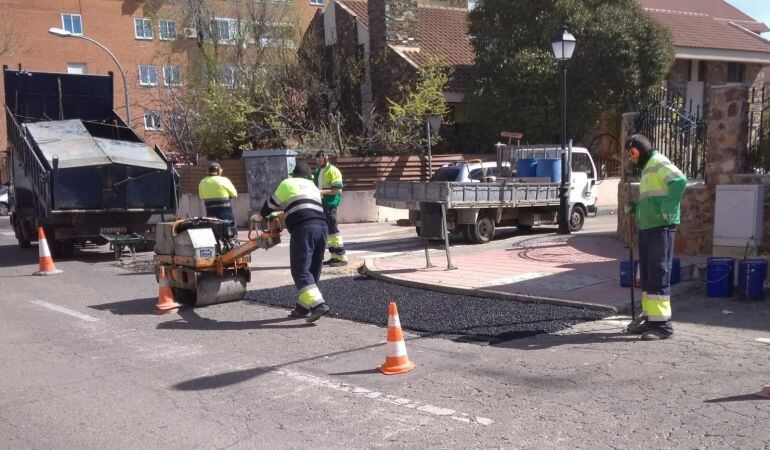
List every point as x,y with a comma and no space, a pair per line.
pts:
221,212
306,256
334,242
656,254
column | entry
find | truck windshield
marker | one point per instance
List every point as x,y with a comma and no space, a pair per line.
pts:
451,173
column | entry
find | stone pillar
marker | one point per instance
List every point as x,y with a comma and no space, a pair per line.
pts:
727,126
626,130
727,136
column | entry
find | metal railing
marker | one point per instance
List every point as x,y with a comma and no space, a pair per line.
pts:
677,129
758,154
34,169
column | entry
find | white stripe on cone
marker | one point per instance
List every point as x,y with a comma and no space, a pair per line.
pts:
44,250
396,349
393,321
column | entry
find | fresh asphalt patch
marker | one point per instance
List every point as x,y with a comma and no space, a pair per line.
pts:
458,317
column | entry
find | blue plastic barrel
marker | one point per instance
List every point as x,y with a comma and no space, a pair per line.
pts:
549,167
526,168
719,277
751,279
676,271
625,273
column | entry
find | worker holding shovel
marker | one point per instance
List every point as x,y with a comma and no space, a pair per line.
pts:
657,215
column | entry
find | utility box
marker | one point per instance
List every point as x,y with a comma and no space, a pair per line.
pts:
738,220
265,169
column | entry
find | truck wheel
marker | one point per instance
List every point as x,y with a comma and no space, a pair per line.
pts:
483,231
67,248
417,230
577,218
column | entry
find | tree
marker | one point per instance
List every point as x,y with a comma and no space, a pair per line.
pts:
621,57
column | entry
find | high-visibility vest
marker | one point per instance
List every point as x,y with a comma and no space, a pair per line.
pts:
300,201
329,177
216,187
660,193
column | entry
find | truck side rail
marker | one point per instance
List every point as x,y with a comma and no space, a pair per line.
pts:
409,194
34,169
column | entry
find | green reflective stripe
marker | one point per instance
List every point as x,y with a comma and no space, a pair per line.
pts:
334,240
310,296
653,193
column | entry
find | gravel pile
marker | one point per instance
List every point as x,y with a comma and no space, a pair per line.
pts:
363,299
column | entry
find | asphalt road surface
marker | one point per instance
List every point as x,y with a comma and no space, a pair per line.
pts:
85,363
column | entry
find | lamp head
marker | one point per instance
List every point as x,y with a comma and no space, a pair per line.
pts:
59,32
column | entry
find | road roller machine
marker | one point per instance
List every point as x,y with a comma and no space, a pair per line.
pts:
205,262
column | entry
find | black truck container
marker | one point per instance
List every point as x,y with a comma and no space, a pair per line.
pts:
76,169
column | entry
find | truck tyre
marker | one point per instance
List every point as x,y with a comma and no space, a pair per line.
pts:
66,248
577,218
482,232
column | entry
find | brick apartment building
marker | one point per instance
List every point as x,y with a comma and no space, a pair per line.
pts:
152,39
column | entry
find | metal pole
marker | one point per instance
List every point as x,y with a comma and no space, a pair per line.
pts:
120,69
564,188
430,153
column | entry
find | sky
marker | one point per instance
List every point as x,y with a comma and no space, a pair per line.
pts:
757,9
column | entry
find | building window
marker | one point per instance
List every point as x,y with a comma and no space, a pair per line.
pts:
278,35
172,76
227,75
317,2
152,120
735,72
72,23
143,28
167,30
226,30
148,75
77,69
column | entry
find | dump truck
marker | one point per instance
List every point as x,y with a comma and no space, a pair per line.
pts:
476,202
77,169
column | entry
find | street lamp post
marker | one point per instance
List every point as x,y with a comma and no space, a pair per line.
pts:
563,46
64,33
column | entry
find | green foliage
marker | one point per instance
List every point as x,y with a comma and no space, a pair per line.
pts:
405,128
621,57
220,125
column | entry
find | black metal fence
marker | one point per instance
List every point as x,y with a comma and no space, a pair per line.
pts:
758,155
677,129
606,151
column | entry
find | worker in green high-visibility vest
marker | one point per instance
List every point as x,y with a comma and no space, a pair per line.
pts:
328,178
657,216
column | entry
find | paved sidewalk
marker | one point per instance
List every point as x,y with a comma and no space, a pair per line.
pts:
580,268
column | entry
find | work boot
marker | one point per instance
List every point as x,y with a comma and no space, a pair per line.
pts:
336,263
299,312
638,326
656,334
317,312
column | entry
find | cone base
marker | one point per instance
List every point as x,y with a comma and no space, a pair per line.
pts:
764,393
49,272
395,370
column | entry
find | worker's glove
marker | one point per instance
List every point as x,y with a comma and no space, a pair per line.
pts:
630,207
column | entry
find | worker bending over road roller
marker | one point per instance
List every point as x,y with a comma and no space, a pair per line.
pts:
300,201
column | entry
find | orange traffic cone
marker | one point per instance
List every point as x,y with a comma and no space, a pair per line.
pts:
46,262
166,303
396,360
765,392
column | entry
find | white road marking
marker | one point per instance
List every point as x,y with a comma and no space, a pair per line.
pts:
7,233
64,310
380,397
762,340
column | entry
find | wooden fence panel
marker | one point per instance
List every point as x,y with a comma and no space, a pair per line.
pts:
359,174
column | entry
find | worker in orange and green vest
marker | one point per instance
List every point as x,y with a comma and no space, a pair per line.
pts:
657,216
328,178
